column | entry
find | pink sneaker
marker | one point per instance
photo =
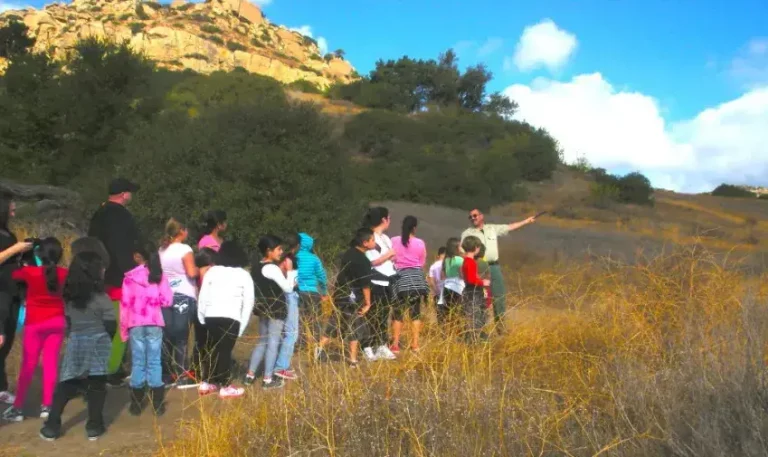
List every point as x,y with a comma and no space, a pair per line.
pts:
286,374
206,388
231,392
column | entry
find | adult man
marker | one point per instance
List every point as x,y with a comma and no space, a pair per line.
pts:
488,234
115,227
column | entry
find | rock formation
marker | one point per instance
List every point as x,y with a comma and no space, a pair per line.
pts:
204,37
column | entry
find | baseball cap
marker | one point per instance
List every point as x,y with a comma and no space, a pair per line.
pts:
120,185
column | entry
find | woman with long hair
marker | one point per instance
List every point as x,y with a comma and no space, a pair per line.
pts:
214,224
10,302
381,256
91,323
178,262
411,286
44,325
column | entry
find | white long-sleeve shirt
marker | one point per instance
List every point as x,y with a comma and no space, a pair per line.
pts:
226,292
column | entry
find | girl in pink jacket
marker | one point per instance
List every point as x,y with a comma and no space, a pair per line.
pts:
145,292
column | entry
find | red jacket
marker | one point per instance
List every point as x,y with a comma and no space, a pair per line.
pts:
41,303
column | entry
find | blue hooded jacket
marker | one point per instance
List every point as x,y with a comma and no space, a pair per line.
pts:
312,277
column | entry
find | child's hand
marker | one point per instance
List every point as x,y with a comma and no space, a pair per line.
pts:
486,282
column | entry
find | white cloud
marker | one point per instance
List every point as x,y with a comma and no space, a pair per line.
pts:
262,3
619,129
542,45
490,46
750,66
306,30
472,49
6,6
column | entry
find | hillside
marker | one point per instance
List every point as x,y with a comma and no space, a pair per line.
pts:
204,37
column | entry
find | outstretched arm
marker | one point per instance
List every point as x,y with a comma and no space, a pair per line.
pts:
520,224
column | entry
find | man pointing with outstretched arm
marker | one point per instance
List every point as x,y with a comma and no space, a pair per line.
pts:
488,234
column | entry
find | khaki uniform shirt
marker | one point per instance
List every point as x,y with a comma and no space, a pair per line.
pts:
488,235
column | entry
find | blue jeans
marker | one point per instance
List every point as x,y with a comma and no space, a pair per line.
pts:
267,345
290,332
178,319
146,350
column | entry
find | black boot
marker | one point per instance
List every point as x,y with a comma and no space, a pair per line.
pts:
65,391
158,400
137,401
97,396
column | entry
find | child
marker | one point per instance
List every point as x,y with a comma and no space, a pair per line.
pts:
91,322
44,325
145,292
291,328
313,287
453,283
436,282
226,303
474,302
271,287
204,261
484,270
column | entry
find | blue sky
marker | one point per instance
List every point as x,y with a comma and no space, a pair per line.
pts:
677,89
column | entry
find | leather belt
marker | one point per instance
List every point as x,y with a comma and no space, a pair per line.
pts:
495,262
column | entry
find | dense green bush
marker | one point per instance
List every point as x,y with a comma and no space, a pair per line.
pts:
303,85
632,188
209,28
728,190
235,46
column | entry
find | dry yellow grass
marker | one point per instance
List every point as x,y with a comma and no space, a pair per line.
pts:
665,357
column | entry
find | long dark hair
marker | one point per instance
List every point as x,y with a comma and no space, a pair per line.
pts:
49,251
451,251
148,251
409,224
374,216
213,219
231,254
85,279
268,243
5,211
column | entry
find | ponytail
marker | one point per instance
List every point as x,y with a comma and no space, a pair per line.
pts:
172,230
50,251
211,220
151,256
451,251
409,224
374,217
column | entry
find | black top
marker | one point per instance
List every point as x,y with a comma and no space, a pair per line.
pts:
8,289
270,298
354,275
115,227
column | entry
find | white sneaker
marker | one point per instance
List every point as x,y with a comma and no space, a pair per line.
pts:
383,352
7,397
231,392
369,355
205,388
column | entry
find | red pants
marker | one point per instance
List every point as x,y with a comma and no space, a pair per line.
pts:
43,338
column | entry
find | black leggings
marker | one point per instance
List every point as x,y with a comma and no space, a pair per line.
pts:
407,302
9,330
453,305
221,335
96,396
378,316
311,313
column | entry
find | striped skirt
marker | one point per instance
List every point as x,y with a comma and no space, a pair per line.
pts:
410,282
85,355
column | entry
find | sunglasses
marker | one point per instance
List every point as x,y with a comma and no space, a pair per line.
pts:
472,217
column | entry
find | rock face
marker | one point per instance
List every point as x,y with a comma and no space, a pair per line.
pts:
51,209
204,37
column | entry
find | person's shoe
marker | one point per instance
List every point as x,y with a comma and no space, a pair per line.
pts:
383,352
274,383
13,415
50,433
45,411
116,380
353,363
249,380
205,388
95,433
395,349
158,400
231,392
321,355
137,399
7,397
369,355
186,382
286,374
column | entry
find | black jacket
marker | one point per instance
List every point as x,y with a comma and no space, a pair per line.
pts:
8,289
115,227
270,298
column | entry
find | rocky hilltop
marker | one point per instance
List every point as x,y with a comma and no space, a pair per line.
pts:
204,37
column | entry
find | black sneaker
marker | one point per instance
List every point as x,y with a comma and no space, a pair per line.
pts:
353,363
49,433
94,433
116,380
13,415
249,380
321,355
275,383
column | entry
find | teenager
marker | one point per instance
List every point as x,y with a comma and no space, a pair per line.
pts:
410,287
214,225
91,322
351,297
313,288
453,287
178,262
44,326
224,308
436,282
271,286
474,300
10,302
381,256
145,293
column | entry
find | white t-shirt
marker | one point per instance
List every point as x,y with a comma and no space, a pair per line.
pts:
171,258
387,268
436,273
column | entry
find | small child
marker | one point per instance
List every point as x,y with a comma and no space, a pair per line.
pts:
484,270
145,292
453,287
474,302
91,321
291,328
436,281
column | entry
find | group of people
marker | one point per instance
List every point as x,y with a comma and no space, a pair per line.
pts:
121,290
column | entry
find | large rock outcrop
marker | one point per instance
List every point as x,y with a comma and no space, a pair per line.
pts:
204,37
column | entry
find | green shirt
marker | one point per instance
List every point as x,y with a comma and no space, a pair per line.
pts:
453,266
489,237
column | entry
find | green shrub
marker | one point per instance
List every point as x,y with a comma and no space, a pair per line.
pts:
95,9
155,6
136,27
304,86
255,42
124,17
310,69
141,14
197,17
316,57
763,197
196,55
235,46
178,25
728,190
602,194
215,39
209,28
635,188
265,36
308,41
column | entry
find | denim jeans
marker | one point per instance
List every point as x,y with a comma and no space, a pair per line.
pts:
146,352
178,319
290,332
266,348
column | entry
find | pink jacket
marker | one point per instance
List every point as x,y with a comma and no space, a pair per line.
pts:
412,256
142,301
